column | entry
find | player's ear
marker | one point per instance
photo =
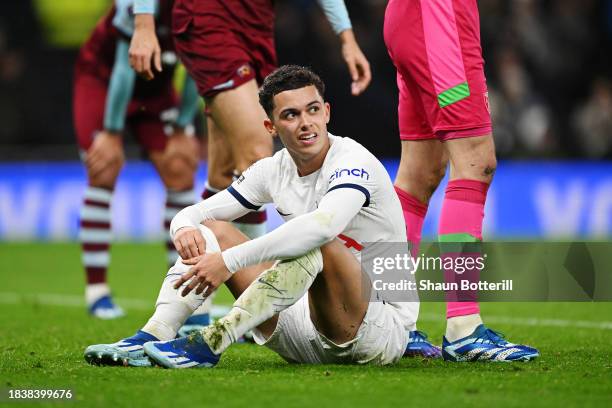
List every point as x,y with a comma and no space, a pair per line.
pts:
327,112
270,127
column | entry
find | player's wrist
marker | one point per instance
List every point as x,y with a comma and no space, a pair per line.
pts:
113,132
185,228
175,230
347,37
144,21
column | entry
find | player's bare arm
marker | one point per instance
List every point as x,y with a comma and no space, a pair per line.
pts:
145,53
357,63
359,68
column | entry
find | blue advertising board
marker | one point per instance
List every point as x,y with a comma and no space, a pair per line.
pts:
541,200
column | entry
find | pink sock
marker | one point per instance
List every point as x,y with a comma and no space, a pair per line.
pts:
414,214
461,221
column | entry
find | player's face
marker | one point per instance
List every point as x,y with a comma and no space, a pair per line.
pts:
300,119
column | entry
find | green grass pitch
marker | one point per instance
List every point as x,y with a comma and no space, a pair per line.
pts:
44,330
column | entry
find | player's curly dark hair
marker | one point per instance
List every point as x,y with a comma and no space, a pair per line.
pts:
286,78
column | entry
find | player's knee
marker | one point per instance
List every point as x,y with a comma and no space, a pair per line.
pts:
107,176
226,234
178,173
482,169
473,159
333,248
488,169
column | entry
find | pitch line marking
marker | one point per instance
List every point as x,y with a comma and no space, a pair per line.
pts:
56,299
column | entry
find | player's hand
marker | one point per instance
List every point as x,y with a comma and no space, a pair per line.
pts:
145,53
184,147
357,63
208,273
189,243
105,151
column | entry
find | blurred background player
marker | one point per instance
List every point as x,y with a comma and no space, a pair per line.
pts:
444,113
108,101
228,48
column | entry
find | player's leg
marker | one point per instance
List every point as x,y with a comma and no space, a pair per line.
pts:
467,339
453,89
228,235
339,306
423,158
331,282
201,317
339,297
225,65
175,157
261,295
333,279
221,173
95,215
237,117
220,161
171,310
472,166
421,169
345,319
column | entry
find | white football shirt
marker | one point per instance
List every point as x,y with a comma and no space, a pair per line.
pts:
347,165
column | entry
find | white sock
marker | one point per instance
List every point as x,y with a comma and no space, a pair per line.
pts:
459,327
206,306
172,309
273,291
95,291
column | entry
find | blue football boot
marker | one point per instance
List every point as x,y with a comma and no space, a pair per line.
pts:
127,352
104,308
186,352
485,344
419,346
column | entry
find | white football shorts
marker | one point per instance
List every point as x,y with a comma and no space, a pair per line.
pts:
380,340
